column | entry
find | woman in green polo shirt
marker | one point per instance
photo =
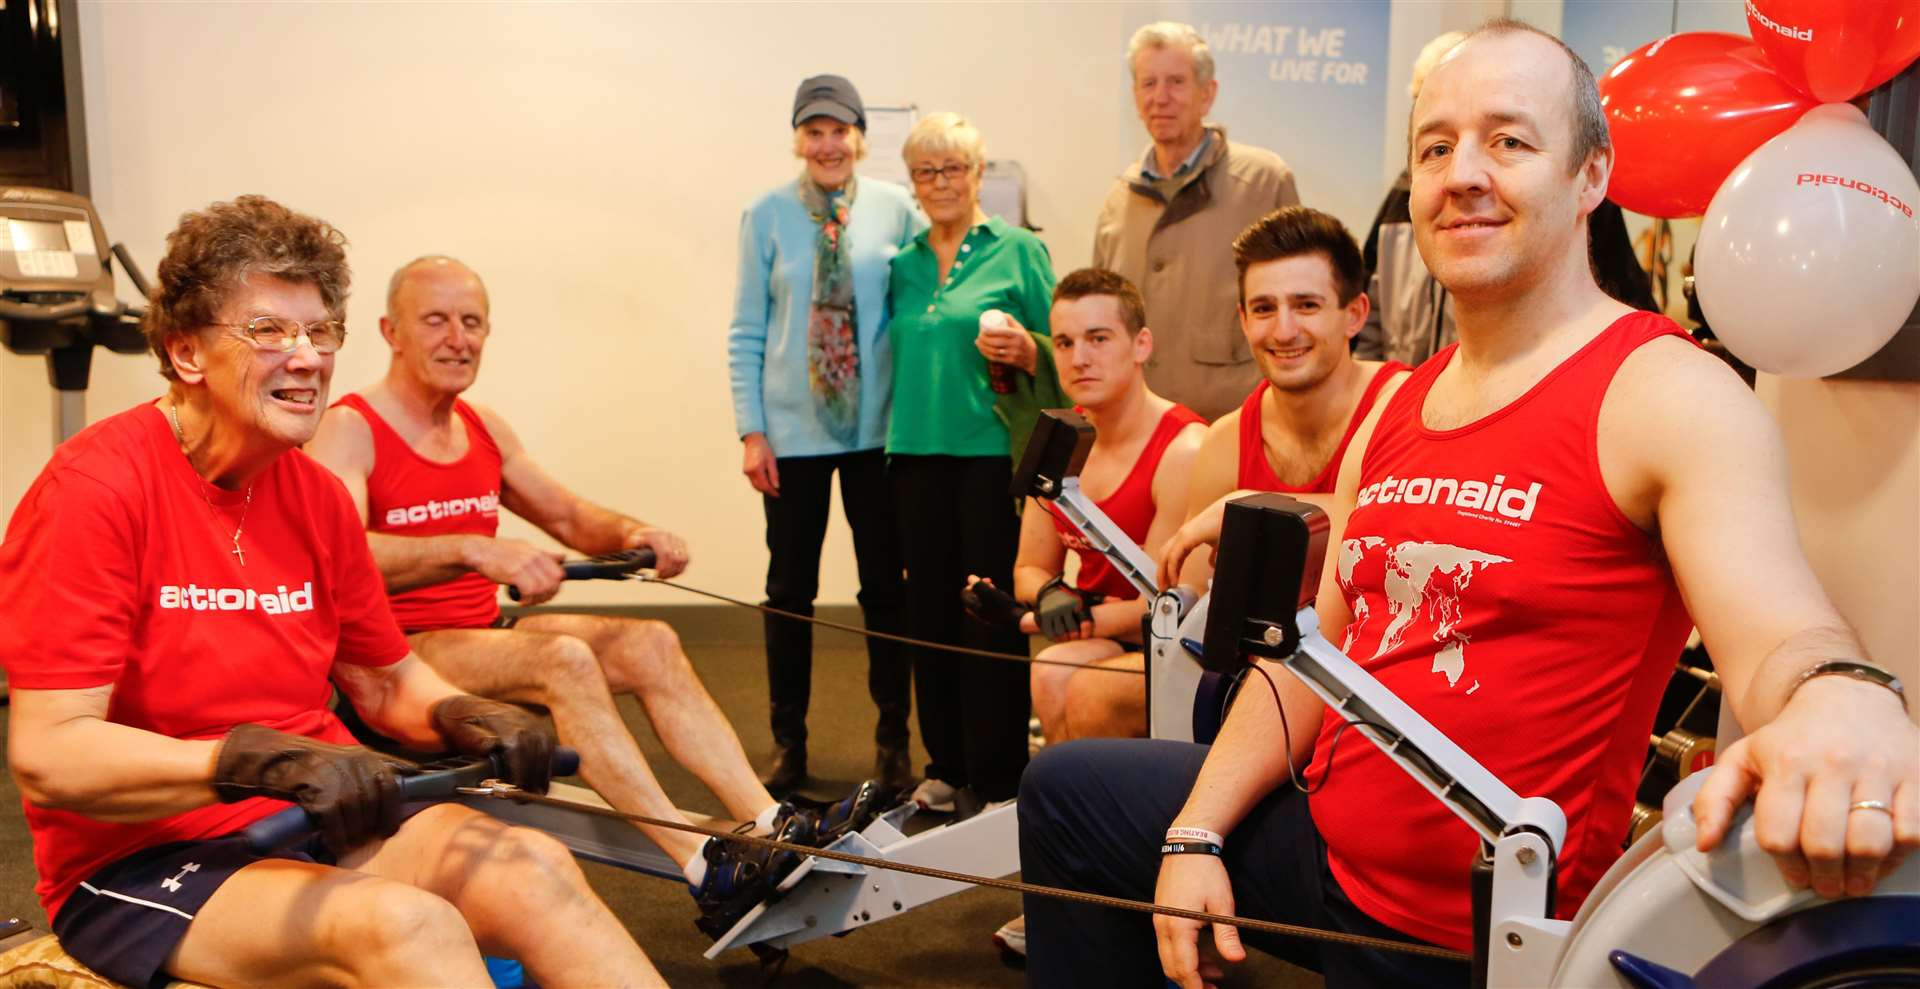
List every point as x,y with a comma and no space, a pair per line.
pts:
948,452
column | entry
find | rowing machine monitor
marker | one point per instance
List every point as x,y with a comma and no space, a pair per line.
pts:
1061,440
606,566
1268,567
56,293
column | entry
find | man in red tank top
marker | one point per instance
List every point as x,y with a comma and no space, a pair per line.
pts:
1528,528
1136,473
1302,299
429,473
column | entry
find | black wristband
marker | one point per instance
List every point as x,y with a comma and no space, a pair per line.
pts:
1190,848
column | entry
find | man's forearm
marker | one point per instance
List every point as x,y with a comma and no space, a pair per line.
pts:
1028,580
593,530
1248,759
397,700
1777,679
407,562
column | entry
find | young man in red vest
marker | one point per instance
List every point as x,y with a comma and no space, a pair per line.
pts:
430,474
1302,299
1533,523
1136,474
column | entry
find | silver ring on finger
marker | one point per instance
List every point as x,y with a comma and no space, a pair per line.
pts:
1879,805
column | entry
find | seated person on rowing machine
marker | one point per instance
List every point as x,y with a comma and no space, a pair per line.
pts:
171,688
1136,473
429,473
1528,531
1302,299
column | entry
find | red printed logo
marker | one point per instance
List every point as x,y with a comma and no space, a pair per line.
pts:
1814,178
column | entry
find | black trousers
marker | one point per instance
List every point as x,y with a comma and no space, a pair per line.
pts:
1093,813
796,528
957,518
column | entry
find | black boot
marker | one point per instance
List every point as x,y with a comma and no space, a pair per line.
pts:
788,771
893,767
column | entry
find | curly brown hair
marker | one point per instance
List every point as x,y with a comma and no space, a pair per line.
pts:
214,249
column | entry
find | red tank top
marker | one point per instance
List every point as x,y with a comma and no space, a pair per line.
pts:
1130,506
1498,589
1257,473
409,495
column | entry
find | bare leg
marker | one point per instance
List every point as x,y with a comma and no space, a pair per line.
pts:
561,673
1050,682
521,893
285,923
1101,704
645,658
415,910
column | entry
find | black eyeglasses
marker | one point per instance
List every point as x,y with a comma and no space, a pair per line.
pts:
278,333
925,174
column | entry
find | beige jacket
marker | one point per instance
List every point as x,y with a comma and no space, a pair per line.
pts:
1174,240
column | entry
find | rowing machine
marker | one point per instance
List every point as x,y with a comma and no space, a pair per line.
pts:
1664,917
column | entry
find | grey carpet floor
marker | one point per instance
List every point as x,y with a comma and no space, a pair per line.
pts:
946,943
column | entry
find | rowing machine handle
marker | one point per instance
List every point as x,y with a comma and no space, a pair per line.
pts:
292,825
607,566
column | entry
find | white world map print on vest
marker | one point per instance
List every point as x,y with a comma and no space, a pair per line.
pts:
1422,580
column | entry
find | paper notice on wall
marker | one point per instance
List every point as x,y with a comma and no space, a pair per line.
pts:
887,128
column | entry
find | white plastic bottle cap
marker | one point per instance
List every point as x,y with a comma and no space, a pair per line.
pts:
994,319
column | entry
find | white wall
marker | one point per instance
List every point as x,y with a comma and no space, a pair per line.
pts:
591,161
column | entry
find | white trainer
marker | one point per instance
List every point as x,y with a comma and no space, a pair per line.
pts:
934,795
1012,936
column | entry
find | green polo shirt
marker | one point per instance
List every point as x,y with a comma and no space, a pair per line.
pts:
942,402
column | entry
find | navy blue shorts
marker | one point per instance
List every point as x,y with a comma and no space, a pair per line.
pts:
124,920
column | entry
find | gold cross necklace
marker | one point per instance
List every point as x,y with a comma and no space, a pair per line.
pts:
173,411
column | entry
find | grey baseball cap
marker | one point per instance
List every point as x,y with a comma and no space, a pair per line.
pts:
829,96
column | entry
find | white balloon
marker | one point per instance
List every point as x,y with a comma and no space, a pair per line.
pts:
1809,255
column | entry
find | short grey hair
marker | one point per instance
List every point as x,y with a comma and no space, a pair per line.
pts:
400,274
945,133
1173,34
1589,117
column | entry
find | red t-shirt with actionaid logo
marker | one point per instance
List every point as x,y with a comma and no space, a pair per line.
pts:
118,569
1497,588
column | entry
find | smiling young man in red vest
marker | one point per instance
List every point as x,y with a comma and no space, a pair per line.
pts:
1528,530
1302,300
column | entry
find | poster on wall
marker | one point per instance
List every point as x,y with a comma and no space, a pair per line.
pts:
1306,79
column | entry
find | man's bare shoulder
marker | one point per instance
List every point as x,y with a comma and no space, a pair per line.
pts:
1677,415
343,440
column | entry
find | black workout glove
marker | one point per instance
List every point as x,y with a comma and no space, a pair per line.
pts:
993,607
1061,607
350,792
476,726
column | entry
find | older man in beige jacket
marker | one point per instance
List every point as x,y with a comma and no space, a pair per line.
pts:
1169,221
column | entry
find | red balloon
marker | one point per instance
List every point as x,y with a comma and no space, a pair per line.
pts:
1684,112
1835,50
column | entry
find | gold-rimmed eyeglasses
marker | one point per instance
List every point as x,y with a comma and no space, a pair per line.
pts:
278,333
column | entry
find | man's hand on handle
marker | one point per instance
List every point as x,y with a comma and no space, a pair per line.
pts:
1836,745
533,571
670,556
478,727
